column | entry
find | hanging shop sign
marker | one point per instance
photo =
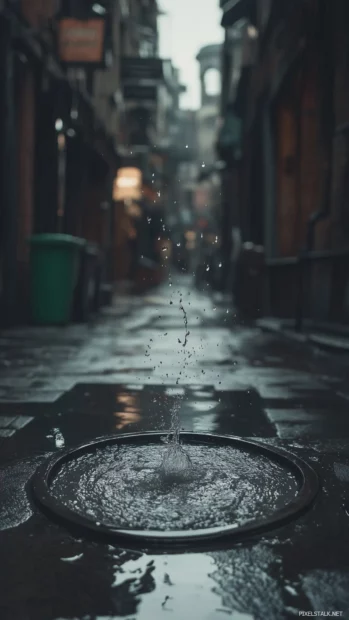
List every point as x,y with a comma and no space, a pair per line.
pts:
81,42
136,69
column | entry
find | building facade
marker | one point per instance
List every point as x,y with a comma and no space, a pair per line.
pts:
291,100
207,202
72,114
209,59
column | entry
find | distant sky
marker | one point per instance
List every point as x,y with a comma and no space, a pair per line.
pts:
188,26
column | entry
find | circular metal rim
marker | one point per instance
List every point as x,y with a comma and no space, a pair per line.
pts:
309,487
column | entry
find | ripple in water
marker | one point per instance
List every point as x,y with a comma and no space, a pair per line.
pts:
120,486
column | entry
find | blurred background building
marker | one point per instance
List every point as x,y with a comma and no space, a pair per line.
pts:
284,141
240,173
84,94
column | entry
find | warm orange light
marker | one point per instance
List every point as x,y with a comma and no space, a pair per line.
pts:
133,209
128,184
61,142
126,399
126,418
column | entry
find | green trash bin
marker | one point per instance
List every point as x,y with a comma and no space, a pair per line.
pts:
54,262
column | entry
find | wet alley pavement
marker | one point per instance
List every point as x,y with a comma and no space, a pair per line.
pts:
124,373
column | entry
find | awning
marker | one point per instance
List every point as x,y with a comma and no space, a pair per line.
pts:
233,10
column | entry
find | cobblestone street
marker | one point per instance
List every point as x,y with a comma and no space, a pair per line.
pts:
124,373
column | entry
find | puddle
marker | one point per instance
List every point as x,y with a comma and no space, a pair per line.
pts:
208,405
175,391
202,394
131,408
124,486
15,507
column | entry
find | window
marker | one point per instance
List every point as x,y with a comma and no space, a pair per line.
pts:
212,82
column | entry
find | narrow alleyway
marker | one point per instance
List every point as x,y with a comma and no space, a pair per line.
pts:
124,373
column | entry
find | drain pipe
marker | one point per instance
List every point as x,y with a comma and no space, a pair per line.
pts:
314,220
324,34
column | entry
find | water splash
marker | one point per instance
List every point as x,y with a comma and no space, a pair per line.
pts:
176,462
187,333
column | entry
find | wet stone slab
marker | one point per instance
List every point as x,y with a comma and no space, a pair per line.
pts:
137,406
149,408
53,573
30,396
120,375
90,410
16,422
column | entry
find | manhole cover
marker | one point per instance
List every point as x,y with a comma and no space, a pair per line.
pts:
116,486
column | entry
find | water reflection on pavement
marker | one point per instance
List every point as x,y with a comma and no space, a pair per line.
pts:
120,375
